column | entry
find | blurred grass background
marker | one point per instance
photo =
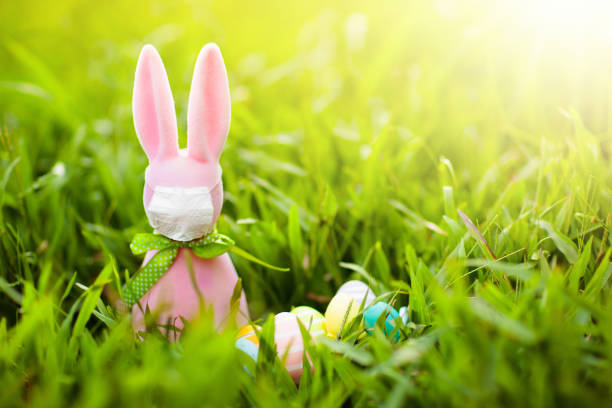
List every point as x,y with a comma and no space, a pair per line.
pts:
358,131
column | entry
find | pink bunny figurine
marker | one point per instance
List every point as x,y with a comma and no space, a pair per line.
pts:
183,193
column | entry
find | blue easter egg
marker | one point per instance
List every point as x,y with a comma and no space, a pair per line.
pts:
248,347
248,343
372,314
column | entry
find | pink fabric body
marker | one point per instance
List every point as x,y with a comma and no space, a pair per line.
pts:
174,294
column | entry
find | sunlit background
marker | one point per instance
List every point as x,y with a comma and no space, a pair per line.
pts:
465,94
458,85
420,61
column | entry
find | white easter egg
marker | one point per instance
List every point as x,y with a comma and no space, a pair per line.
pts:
358,291
403,313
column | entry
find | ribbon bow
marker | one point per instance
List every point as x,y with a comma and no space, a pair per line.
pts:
209,246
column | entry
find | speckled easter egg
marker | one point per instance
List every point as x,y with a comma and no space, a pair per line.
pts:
372,314
289,343
247,341
311,319
337,310
359,291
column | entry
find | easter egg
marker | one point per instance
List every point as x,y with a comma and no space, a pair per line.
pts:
337,311
311,319
403,312
359,291
247,341
289,343
373,313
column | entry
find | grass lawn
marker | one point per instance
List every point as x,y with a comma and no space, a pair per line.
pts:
454,155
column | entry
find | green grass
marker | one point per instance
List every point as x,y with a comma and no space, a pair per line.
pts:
447,137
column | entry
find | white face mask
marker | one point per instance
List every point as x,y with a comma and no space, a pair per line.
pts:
181,213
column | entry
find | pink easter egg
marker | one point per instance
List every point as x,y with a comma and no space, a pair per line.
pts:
289,343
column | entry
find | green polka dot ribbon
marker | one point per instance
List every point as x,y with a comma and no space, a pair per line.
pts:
209,246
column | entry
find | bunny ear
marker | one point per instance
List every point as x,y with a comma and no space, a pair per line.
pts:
208,115
153,106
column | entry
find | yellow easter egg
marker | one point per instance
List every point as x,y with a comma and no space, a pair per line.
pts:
248,333
337,310
248,343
